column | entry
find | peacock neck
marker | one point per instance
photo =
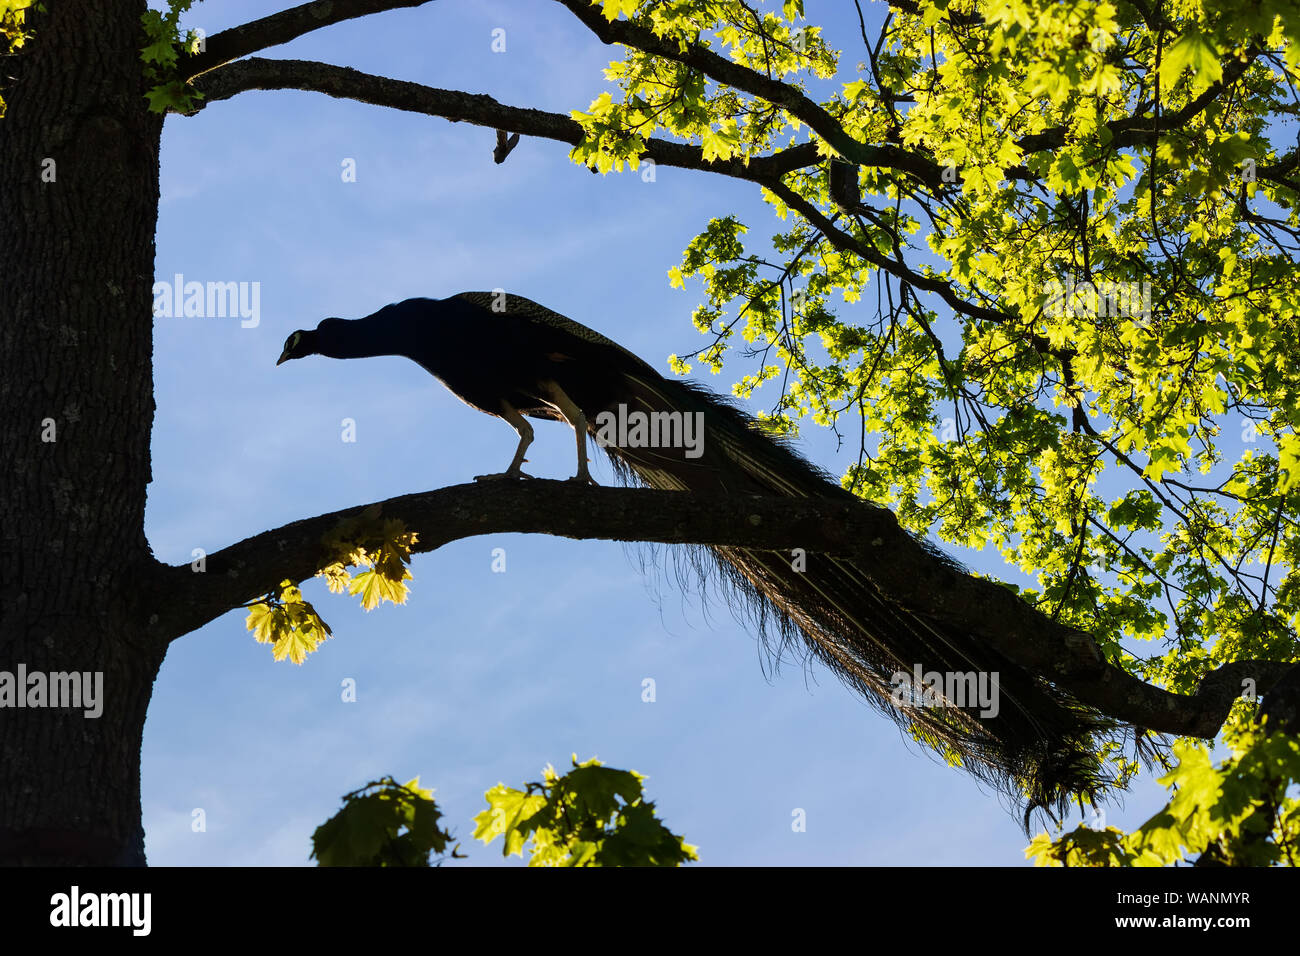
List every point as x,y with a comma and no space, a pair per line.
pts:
363,338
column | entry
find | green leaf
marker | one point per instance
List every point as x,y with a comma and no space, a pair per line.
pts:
1193,51
612,8
375,587
1288,447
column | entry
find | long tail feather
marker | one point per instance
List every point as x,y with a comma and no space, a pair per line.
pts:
1041,744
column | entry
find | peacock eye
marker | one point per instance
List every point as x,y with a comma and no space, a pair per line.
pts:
293,340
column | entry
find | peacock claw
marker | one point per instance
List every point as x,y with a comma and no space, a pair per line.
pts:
585,479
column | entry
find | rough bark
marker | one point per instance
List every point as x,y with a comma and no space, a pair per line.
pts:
76,266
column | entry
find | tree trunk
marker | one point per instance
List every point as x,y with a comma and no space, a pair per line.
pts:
78,208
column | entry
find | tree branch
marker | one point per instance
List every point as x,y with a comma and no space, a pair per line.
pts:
278,28
777,92
900,270
908,572
1131,131
478,109
1128,131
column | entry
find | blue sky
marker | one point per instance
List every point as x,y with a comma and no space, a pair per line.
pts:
481,677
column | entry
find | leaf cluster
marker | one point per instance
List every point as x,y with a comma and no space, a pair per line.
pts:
383,824
13,28
1077,347
591,816
382,547
1240,812
160,55
656,94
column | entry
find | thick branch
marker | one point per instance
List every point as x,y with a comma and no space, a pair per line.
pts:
257,73
902,568
280,28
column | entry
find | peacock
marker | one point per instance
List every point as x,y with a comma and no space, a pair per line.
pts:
514,359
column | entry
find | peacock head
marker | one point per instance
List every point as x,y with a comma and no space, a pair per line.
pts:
297,345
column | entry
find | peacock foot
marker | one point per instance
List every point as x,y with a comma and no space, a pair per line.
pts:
502,476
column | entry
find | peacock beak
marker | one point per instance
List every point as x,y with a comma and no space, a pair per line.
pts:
284,357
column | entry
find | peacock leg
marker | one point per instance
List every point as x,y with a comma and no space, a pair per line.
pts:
575,417
525,431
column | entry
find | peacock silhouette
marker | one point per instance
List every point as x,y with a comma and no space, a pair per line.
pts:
514,359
